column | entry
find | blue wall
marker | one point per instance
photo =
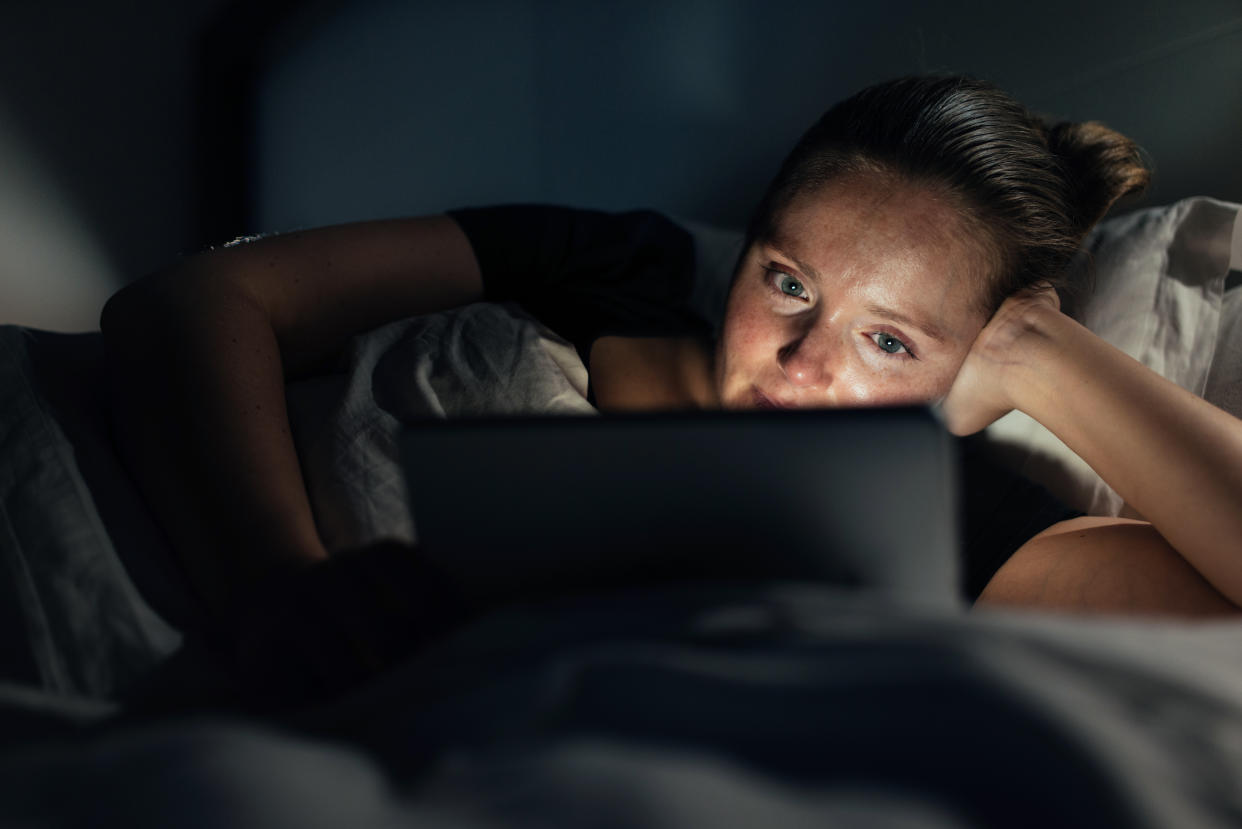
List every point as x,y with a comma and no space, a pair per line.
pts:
377,107
384,107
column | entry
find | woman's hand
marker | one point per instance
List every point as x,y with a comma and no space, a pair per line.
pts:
1012,339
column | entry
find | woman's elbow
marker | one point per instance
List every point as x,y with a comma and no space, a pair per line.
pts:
1120,568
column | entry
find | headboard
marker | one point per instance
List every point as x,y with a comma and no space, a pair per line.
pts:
333,111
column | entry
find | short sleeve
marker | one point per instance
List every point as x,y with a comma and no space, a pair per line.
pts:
587,273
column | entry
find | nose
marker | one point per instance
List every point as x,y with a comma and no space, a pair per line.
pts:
807,361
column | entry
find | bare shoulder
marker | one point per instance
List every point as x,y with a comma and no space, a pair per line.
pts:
651,373
1098,564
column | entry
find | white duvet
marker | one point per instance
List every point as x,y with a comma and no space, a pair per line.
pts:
481,359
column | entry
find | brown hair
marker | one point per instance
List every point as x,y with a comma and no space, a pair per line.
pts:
1035,189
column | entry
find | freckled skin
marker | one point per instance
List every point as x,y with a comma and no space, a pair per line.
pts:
872,242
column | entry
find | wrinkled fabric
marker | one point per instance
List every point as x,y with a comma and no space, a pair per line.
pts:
1224,380
685,707
91,597
73,620
1157,277
483,359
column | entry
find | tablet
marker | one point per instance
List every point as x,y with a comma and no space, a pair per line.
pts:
859,498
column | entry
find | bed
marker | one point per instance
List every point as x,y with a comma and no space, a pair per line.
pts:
794,704
664,707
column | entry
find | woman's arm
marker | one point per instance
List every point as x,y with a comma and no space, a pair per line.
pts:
199,355
1173,457
1099,564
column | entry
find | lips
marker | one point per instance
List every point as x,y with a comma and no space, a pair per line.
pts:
762,401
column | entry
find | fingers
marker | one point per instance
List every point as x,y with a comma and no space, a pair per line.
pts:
981,391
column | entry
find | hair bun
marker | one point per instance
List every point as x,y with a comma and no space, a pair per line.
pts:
1101,164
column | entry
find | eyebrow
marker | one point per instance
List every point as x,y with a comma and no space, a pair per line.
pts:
776,246
896,316
927,328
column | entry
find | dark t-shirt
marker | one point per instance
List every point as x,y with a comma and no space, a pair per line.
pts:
587,273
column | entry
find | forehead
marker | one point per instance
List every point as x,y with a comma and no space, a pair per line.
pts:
888,240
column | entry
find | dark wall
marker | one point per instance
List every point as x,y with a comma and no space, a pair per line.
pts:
684,105
96,150
384,106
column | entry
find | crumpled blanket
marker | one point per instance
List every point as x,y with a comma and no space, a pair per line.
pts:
789,705
477,360
91,597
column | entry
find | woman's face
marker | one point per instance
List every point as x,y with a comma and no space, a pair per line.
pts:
866,294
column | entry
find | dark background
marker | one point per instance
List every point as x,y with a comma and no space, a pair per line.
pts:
132,133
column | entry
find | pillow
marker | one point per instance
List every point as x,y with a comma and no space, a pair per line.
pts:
480,359
1159,277
1224,382
1157,295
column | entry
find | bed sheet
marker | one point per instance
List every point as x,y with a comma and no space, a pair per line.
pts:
93,597
790,706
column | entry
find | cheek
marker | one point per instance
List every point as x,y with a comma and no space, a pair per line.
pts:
750,333
898,387
871,390
745,331
748,338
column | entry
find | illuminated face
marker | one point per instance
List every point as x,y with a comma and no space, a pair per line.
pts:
866,294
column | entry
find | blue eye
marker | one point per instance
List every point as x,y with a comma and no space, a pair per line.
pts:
889,344
791,286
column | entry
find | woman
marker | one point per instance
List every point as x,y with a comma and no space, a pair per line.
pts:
911,248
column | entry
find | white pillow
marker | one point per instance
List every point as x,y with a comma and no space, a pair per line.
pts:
1159,277
1224,383
1159,281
